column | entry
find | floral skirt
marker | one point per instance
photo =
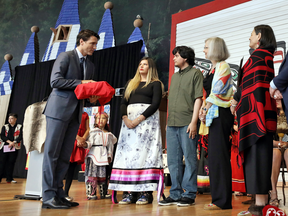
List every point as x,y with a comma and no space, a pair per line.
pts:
138,164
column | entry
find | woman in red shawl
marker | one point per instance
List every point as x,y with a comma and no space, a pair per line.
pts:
257,116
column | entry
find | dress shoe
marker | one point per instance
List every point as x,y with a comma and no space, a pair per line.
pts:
68,203
69,198
54,203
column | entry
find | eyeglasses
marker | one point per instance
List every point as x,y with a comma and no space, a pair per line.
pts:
206,47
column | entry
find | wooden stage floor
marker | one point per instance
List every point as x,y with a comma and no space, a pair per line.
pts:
14,207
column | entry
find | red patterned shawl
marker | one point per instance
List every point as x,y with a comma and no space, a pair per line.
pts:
256,110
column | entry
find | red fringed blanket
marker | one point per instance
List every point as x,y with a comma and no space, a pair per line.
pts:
102,89
256,110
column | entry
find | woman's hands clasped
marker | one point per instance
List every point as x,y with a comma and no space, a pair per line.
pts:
202,115
233,107
130,124
133,123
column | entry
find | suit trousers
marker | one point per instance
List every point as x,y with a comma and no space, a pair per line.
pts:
219,159
59,144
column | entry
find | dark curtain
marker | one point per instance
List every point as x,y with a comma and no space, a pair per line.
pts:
32,84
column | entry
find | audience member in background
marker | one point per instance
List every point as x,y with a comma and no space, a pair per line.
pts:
11,136
279,152
238,180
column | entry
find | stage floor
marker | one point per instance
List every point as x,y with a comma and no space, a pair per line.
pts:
15,207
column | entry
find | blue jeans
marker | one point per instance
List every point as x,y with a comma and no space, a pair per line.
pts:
179,144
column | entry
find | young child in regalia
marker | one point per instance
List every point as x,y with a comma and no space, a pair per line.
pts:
100,144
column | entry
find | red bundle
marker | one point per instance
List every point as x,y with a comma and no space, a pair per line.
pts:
102,89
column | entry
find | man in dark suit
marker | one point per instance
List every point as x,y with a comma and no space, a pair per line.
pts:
278,86
63,115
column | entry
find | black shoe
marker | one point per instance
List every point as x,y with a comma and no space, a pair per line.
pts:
54,203
68,203
168,201
185,201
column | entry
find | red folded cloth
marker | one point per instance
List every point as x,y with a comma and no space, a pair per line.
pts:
102,89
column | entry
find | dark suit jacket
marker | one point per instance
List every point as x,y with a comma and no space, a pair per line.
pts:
281,82
65,76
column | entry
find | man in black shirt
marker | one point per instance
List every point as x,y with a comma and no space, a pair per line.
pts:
11,137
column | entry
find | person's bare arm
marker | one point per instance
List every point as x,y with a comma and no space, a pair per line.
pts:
192,127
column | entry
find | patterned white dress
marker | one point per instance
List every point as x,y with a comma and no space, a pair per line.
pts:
138,162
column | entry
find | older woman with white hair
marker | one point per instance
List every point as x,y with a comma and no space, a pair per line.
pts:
216,114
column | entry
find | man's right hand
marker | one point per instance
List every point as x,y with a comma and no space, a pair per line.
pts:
93,99
277,95
87,81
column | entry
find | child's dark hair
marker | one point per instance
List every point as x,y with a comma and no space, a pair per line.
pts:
13,115
106,127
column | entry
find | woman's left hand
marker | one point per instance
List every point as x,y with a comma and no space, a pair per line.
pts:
233,111
283,144
135,122
233,107
202,116
129,123
138,120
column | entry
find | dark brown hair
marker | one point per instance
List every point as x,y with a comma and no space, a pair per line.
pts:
13,115
85,35
186,53
267,36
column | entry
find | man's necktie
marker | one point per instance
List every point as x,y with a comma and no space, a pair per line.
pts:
82,67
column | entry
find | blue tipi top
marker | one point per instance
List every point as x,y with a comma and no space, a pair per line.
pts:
29,54
136,36
106,32
5,79
69,15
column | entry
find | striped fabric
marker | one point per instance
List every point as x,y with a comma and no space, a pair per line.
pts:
141,177
136,176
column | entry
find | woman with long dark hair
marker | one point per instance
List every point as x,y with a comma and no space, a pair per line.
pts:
257,116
